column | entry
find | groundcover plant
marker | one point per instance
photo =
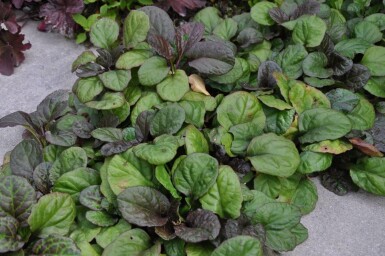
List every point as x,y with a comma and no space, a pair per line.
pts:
199,139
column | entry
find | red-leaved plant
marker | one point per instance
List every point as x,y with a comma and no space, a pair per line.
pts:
57,16
11,41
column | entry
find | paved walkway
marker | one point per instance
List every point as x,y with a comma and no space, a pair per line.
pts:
353,225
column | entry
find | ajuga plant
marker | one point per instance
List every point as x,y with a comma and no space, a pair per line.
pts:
200,139
11,41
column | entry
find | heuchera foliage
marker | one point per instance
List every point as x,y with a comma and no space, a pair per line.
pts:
11,41
57,16
200,139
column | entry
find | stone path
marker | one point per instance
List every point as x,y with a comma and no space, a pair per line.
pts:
353,225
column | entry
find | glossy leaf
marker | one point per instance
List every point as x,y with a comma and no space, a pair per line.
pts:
195,174
274,155
52,215
160,152
225,197
320,124
143,206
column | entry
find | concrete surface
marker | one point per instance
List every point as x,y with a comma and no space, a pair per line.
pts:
353,225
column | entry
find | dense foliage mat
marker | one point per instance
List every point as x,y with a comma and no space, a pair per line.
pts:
199,138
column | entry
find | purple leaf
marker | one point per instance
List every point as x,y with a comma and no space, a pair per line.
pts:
11,51
310,7
211,57
161,46
187,35
58,15
180,6
201,225
278,15
160,22
8,18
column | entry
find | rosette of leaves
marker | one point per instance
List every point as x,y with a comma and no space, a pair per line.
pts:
119,167
11,41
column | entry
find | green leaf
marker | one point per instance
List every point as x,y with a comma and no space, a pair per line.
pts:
86,89
278,121
268,184
376,86
109,234
200,249
69,160
9,239
135,28
315,64
314,162
277,216
164,178
121,174
153,71
144,103
224,197
108,134
162,151
195,112
232,76
195,141
195,174
260,13
91,198
320,124
209,101
378,19
132,59
84,58
244,133
374,60
104,33
274,155
343,100
350,47
144,206
174,86
362,116
116,80
368,31
110,100
133,242
168,120
238,108
286,239
209,17
55,245
53,214
25,157
239,245
309,31
101,218
305,196
291,59
226,29
273,102
74,182
304,97
369,174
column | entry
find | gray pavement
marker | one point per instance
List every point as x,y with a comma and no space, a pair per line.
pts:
353,225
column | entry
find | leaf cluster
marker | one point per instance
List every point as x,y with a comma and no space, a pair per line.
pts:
199,139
